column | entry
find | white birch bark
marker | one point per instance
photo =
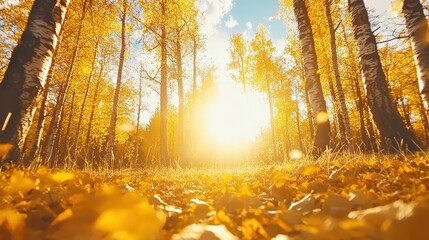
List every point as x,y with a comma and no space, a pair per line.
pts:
394,135
418,29
27,72
312,79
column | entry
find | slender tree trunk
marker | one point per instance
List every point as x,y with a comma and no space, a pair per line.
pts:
63,153
418,29
272,124
337,128
27,72
360,106
406,111
394,135
54,125
313,86
339,86
181,138
110,156
309,115
82,108
194,69
425,121
298,124
139,109
243,73
164,98
91,115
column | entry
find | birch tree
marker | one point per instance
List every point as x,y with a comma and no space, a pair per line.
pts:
26,75
338,84
417,27
110,156
312,79
239,58
394,135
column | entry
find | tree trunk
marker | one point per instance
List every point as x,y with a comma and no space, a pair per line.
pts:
91,115
110,156
298,124
164,98
309,115
243,73
181,138
64,154
53,131
194,69
394,135
35,147
82,108
337,128
27,72
139,109
424,120
417,27
339,86
272,125
313,86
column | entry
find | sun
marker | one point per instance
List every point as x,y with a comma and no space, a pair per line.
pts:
236,117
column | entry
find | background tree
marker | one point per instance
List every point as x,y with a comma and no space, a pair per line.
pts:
239,58
265,72
339,86
110,156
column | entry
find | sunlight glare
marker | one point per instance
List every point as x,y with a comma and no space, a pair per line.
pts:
296,154
234,117
126,127
322,117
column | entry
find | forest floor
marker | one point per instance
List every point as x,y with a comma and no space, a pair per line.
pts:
345,197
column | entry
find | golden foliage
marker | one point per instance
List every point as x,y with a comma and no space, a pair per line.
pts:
335,199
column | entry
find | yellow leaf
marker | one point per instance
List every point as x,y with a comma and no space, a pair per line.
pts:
62,176
396,6
309,170
136,220
4,149
62,216
18,183
200,232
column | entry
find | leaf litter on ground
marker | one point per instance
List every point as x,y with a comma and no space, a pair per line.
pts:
360,197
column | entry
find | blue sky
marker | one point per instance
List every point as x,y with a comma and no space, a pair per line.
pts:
253,13
225,17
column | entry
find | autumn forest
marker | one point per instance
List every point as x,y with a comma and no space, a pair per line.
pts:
98,97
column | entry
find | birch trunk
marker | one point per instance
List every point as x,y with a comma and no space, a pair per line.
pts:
313,86
110,156
139,109
26,75
74,150
394,135
53,131
181,138
272,124
417,27
164,98
339,86
91,115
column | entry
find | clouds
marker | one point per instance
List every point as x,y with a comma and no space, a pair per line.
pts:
213,12
249,26
231,22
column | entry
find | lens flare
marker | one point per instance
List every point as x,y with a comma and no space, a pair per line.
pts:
322,117
296,154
